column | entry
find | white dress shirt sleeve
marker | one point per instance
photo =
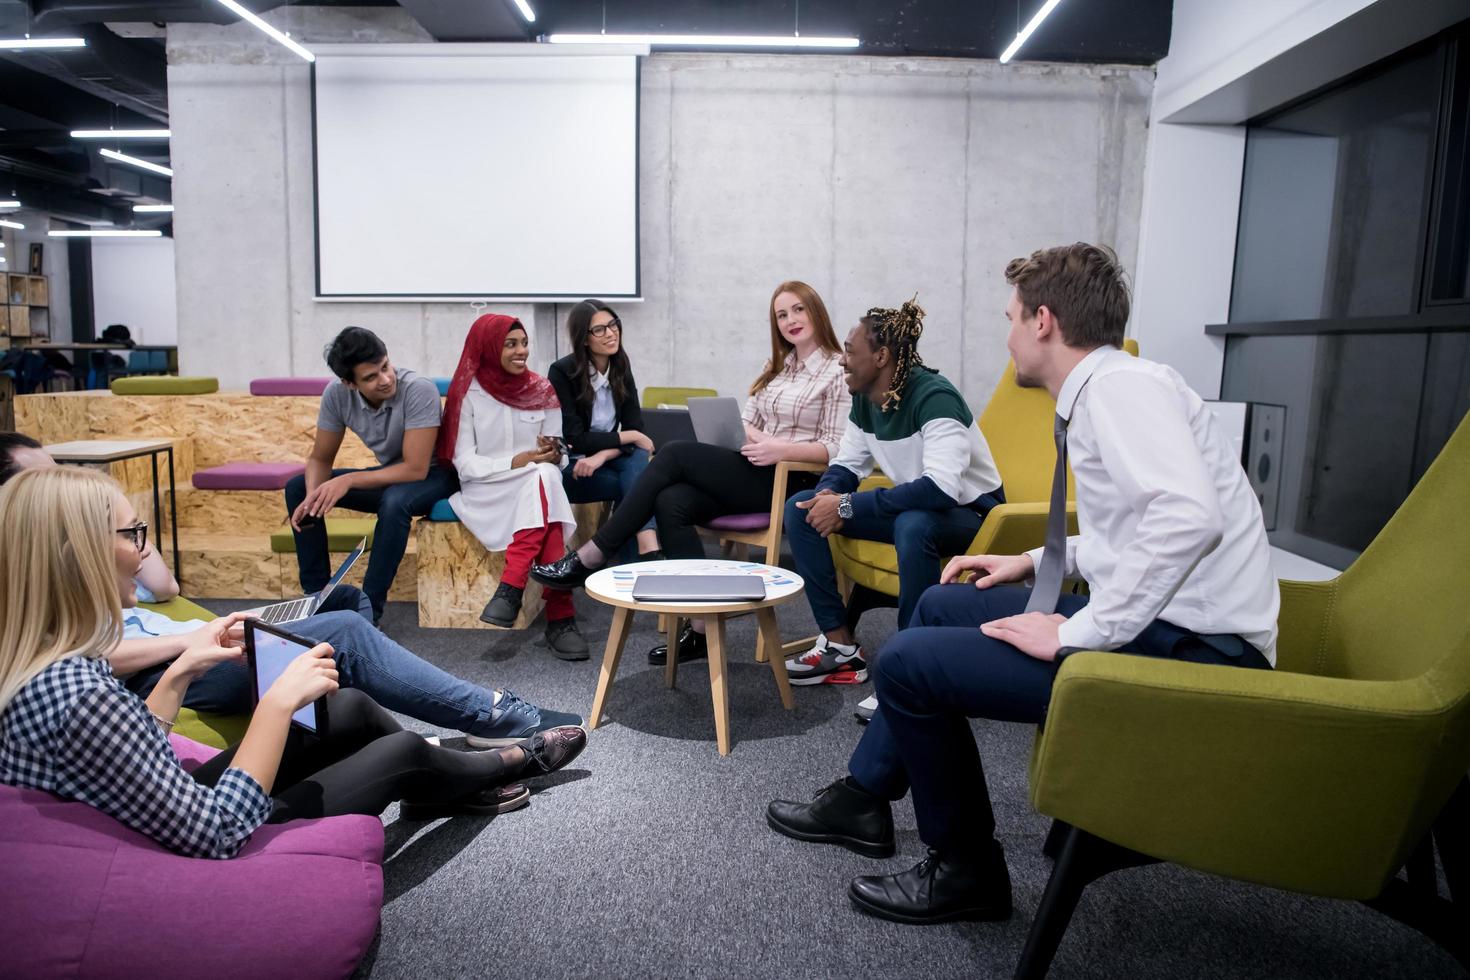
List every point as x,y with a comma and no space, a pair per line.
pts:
1069,567
1145,444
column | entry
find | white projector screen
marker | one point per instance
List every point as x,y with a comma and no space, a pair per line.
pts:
461,170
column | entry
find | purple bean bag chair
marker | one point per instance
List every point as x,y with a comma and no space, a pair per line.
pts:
83,896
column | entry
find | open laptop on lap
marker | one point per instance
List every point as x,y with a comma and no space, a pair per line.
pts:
717,422
293,609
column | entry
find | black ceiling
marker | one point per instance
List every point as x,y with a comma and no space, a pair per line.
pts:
120,81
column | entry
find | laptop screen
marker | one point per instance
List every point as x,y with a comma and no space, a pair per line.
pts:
341,572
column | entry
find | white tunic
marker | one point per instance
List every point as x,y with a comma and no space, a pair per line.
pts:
495,501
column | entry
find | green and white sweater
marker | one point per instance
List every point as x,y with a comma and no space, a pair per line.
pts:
929,446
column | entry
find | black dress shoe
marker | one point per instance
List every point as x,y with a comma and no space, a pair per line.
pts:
488,802
840,814
692,646
939,888
567,572
550,750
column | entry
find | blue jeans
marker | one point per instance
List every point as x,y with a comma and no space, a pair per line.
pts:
396,506
919,537
225,689
942,670
370,662
612,481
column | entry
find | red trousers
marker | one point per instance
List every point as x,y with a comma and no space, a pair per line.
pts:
539,545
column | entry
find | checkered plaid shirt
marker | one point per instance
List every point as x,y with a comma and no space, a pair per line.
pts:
75,731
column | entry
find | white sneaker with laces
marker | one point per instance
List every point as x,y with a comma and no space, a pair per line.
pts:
867,708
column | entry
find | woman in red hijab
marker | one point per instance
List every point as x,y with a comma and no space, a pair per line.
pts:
502,429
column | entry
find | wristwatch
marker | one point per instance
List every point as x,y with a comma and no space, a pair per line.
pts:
844,506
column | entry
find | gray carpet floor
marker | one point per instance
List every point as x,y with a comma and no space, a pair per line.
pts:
650,856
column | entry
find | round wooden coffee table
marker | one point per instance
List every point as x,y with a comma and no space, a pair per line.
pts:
614,586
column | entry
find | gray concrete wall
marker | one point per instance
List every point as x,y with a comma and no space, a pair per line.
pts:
870,178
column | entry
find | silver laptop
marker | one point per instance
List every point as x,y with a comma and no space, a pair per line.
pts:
294,609
699,588
717,422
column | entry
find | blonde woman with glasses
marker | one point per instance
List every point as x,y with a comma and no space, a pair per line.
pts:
70,545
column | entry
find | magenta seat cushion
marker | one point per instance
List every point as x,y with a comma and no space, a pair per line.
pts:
290,386
247,476
83,896
741,522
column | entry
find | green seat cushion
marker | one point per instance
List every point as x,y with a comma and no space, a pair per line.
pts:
655,396
219,731
180,610
165,385
343,533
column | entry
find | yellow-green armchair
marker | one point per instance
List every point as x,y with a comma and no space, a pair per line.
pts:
1325,776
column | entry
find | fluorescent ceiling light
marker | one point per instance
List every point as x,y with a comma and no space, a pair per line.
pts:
119,134
153,209
113,233
526,11
22,43
9,204
285,39
10,224
708,40
1046,8
134,161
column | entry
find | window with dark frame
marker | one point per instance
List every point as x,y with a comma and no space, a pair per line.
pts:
1350,303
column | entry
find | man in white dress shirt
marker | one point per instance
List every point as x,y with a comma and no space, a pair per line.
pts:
1172,547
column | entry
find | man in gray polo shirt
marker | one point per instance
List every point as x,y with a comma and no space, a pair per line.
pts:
396,414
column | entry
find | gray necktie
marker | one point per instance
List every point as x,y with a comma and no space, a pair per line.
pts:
1054,559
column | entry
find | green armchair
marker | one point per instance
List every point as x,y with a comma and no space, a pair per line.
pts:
1326,776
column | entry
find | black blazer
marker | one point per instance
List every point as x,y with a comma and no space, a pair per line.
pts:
575,419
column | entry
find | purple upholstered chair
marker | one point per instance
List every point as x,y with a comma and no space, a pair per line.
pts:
83,896
311,387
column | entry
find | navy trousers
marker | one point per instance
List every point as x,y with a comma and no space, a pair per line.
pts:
941,671
919,536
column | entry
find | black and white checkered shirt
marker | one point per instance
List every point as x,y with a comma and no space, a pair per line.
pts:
75,731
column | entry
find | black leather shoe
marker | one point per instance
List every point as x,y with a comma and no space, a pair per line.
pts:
692,646
939,888
840,814
503,607
550,750
489,802
567,572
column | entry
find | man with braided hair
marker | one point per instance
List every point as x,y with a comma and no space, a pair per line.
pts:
909,420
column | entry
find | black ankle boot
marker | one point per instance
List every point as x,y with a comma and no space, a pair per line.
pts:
567,572
843,813
503,607
940,888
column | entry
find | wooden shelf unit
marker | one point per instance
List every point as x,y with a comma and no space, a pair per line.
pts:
22,294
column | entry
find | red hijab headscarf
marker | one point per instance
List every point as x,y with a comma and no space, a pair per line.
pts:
481,362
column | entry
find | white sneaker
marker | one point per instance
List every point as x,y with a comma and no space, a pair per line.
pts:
867,708
828,663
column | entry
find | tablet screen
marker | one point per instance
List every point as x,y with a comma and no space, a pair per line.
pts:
272,654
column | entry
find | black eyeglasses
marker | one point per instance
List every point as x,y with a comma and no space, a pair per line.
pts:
137,533
602,328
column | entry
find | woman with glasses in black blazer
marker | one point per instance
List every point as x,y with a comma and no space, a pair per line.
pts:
601,420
